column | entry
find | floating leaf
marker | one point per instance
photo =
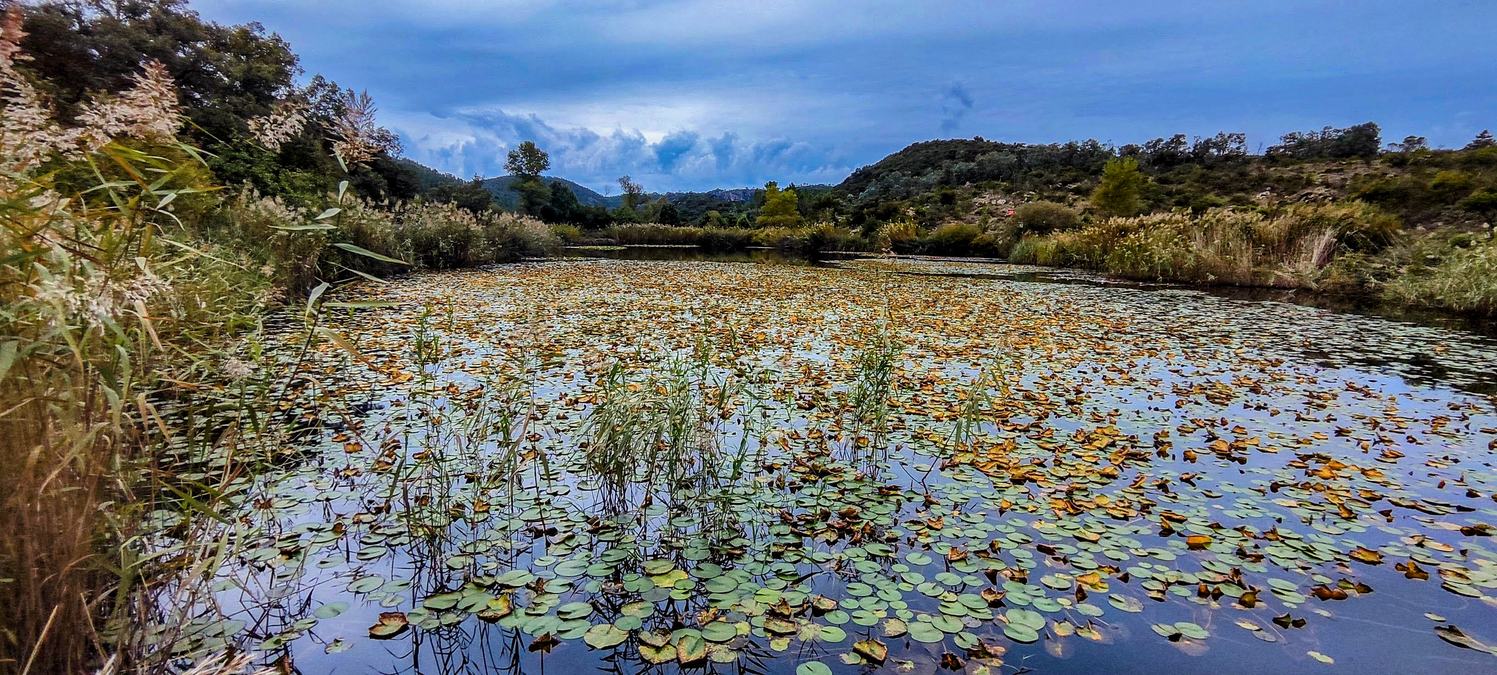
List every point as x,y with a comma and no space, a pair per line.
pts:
871,649
389,625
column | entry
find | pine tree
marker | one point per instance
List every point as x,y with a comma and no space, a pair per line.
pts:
1121,189
780,207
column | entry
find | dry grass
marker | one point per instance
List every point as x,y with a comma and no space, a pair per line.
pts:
1288,249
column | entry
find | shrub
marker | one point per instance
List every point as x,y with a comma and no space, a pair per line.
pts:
900,236
654,234
440,235
725,238
811,239
991,244
952,238
511,237
1036,250
1046,217
294,258
1482,201
1452,183
567,234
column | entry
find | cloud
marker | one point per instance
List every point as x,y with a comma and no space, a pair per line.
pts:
702,93
955,104
476,142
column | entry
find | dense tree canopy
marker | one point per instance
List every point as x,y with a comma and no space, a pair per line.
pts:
780,207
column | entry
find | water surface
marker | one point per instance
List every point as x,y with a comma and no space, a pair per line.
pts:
908,465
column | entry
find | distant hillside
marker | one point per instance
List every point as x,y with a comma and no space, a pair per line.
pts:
426,177
502,188
919,159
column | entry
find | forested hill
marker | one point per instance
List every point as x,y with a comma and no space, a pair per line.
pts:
502,187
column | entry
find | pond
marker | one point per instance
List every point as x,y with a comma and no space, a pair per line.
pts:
867,465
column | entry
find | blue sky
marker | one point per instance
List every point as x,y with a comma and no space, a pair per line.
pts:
697,94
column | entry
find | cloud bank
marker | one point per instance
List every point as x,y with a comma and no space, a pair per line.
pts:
695,94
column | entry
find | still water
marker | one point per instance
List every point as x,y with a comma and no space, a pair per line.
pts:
648,462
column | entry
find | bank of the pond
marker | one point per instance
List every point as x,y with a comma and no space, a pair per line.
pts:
1348,249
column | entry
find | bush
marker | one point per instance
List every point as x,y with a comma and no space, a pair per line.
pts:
991,244
1452,184
900,236
440,235
512,237
567,234
1046,217
1482,201
952,238
654,234
725,238
1035,250
811,239
259,223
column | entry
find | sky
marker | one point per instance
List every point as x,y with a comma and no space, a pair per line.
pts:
699,94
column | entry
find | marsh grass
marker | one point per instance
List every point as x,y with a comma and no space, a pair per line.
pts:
132,390
1290,248
654,432
873,384
1458,273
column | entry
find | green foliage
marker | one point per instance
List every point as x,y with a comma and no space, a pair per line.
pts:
780,207
1043,217
567,234
1482,201
808,239
1452,183
1457,273
226,74
527,160
633,194
1290,248
1121,189
952,238
471,196
1358,141
900,236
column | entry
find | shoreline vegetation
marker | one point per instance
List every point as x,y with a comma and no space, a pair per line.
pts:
150,230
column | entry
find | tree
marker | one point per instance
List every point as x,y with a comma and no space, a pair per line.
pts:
1410,144
780,207
1361,140
527,161
535,197
633,192
562,206
1224,145
1121,189
668,215
471,196
1482,140
226,76
223,74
